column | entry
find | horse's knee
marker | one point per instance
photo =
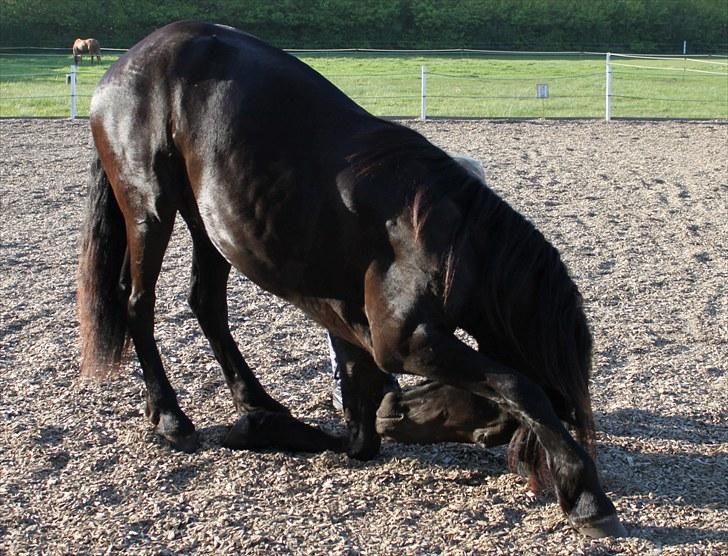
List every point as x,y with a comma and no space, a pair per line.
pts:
387,352
140,308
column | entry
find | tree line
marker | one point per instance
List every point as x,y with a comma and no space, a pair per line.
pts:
600,25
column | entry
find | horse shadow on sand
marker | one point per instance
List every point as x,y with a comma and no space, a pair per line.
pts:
688,480
685,480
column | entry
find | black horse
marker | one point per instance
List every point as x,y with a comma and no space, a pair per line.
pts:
371,230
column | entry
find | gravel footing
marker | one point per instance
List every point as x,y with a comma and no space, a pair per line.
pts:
639,212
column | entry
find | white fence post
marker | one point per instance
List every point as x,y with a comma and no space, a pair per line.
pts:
608,108
74,111
423,103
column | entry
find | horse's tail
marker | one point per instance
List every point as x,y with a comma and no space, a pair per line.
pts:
102,302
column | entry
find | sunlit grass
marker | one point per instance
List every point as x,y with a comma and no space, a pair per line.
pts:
37,86
457,85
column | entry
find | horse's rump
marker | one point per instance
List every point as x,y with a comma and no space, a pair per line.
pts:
94,48
80,46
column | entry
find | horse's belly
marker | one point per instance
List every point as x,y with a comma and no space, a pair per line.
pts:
260,237
244,253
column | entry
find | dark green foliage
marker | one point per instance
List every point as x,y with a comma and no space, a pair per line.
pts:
618,25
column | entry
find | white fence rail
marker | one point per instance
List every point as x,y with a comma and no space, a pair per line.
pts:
74,93
439,90
656,70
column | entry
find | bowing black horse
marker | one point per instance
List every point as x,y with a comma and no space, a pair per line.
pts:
371,230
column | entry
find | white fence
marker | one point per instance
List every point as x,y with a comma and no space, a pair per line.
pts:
663,65
457,93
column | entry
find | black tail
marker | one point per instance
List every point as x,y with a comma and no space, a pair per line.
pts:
102,302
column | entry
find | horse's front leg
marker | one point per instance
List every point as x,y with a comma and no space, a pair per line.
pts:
439,355
362,388
436,354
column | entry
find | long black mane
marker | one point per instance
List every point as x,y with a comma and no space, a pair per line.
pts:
532,319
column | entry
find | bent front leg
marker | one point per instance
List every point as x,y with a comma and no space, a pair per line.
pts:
441,356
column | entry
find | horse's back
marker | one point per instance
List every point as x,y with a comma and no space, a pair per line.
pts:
192,76
195,59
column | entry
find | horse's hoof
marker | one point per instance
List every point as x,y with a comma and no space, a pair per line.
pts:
365,453
180,433
608,526
239,437
389,415
187,444
364,447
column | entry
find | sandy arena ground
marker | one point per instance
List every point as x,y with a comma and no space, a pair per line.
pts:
638,210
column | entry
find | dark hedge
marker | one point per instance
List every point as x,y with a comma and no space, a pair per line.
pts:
617,25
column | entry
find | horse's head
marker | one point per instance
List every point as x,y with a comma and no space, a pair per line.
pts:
435,412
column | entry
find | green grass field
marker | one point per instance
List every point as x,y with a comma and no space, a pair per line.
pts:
458,85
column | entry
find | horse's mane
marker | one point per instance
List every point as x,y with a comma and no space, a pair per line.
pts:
532,313
549,334
534,321
425,173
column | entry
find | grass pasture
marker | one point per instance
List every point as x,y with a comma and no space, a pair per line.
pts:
458,85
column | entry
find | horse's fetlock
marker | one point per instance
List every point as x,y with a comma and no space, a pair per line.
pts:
151,412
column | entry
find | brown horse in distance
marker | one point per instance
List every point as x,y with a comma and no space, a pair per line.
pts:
83,47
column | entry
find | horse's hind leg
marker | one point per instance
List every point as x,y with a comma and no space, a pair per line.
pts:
147,241
208,300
